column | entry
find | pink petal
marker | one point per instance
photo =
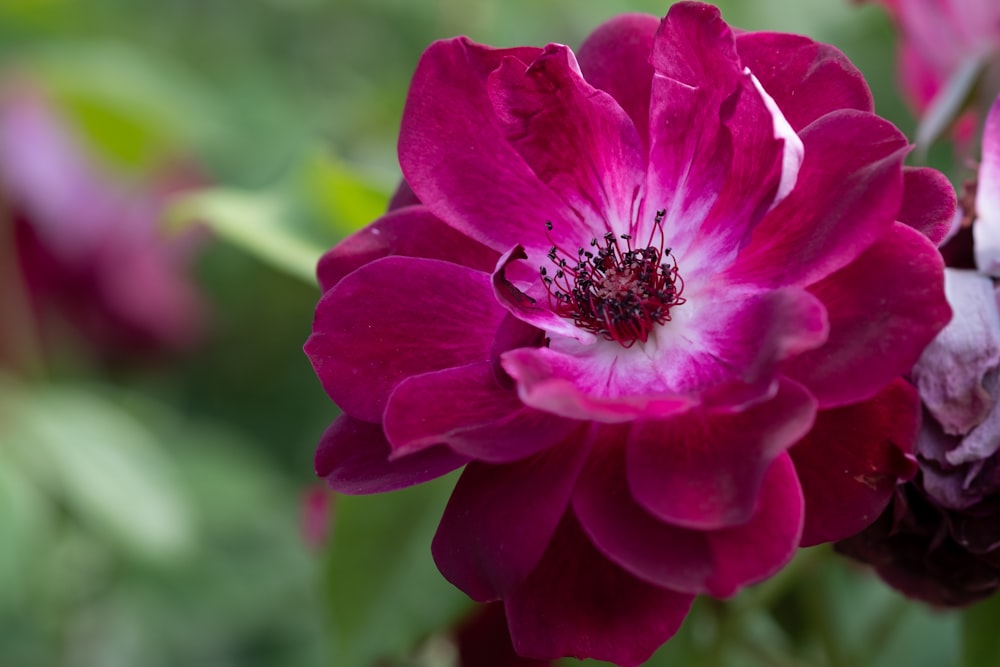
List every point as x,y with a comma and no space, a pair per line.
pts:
951,371
806,79
852,459
403,197
458,161
704,469
615,58
466,409
725,350
714,162
752,552
353,457
394,318
929,204
628,535
884,309
501,518
847,196
575,138
411,232
986,229
577,603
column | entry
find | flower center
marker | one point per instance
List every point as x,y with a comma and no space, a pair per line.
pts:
618,293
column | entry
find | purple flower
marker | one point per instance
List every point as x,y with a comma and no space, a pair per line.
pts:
656,301
87,240
939,541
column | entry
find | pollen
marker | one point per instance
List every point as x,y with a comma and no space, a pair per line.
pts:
614,289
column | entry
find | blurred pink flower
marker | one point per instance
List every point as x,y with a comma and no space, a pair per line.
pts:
655,299
87,240
940,37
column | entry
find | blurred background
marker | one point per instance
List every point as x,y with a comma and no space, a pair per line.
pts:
169,174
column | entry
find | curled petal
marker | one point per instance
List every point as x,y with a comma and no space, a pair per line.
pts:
929,204
353,457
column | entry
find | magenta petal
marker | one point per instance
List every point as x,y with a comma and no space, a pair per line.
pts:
656,552
847,196
754,551
987,225
577,603
501,518
457,160
806,79
411,232
704,469
615,58
466,409
928,203
353,457
394,318
403,197
875,334
576,139
852,459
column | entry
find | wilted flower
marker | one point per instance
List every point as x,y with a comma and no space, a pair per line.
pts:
940,539
655,299
87,241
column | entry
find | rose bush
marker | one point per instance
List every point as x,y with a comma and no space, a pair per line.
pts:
656,298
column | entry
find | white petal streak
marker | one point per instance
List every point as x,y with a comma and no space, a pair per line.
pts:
794,151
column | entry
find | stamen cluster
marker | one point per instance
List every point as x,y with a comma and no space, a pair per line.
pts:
618,293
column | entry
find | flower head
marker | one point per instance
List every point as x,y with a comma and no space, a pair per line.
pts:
939,540
656,300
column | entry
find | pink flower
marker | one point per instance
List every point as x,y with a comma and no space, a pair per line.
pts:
938,38
88,241
655,299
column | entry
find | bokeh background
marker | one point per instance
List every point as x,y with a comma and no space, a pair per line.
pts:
158,506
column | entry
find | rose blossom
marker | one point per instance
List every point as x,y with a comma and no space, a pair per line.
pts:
939,540
656,301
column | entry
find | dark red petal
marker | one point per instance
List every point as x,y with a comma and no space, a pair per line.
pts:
577,603
484,641
353,457
852,459
884,309
410,232
847,195
806,79
398,317
928,202
500,518
704,469
615,58
466,409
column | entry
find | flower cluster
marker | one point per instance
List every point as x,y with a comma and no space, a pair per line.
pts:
657,298
939,540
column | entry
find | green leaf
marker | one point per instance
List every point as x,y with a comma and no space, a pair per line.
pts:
345,200
258,222
385,592
107,467
980,639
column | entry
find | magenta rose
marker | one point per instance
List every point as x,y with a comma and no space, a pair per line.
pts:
656,298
